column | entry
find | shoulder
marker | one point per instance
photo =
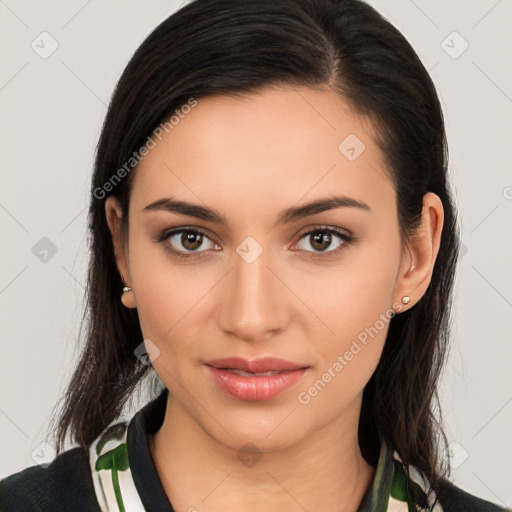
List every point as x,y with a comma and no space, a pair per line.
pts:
455,499
66,484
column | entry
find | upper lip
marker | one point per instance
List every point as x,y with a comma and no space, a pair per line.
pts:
264,364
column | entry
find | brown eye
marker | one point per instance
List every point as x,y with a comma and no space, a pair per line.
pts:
191,240
186,242
321,239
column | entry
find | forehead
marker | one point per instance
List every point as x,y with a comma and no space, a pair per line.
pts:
281,141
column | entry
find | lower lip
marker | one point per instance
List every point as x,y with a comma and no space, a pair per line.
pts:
255,389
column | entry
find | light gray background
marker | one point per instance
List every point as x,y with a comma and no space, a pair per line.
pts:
51,115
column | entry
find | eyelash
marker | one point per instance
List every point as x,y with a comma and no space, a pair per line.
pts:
165,235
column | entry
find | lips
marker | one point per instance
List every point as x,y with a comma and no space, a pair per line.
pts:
265,364
257,379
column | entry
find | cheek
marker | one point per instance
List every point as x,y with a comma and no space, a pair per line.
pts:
170,300
343,363
352,296
354,303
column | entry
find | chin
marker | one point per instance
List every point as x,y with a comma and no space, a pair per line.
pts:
260,432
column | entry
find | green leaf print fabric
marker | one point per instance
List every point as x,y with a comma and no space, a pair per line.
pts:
392,490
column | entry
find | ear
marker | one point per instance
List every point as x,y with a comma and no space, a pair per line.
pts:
114,214
420,254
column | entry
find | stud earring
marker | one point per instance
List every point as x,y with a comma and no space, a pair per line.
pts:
406,299
127,298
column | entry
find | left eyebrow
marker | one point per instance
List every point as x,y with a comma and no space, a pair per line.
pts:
319,206
286,216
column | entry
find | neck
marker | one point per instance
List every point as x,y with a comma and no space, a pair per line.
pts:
326,468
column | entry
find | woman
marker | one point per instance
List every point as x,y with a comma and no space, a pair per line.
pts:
273,234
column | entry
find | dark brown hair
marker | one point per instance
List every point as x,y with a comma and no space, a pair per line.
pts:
233,47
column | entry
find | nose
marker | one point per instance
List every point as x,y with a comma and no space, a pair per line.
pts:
253,299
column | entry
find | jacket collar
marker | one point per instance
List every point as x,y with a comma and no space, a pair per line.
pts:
125,477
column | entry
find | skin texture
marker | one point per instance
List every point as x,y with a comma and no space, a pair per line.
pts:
249,158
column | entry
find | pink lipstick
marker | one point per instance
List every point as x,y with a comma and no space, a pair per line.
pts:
255,380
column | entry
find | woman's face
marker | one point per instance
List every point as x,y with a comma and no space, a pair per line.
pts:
261,284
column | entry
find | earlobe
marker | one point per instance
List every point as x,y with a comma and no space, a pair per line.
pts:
419,258
113,213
